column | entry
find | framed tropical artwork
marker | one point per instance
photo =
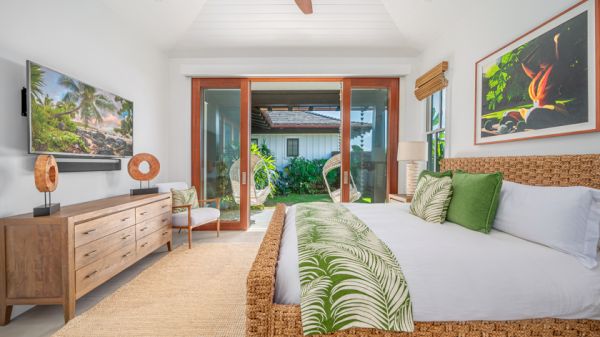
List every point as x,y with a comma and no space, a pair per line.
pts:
543,84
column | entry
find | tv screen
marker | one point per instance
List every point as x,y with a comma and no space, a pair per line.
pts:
71,118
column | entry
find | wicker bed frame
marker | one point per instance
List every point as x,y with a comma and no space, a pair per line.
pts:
267,319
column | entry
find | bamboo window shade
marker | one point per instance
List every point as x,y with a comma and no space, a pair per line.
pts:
431,82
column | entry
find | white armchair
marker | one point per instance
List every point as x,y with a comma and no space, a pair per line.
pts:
192,217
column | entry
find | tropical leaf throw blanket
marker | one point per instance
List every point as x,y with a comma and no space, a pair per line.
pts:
349,278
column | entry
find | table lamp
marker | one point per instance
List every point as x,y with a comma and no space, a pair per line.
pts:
412,152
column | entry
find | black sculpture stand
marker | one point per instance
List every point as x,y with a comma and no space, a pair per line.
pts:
147,190
138,191
47,208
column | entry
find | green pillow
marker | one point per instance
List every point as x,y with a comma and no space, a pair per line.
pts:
435,174
431,199
475,200
184,197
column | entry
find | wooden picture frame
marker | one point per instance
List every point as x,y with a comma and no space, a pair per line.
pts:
544,83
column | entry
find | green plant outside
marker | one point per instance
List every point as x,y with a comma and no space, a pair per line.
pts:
294,198
266,173
305,176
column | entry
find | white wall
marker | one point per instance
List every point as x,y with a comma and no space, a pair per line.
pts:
480,28
311,146
84,40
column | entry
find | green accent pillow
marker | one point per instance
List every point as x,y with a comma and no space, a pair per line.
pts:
435,174
184,197
431,199
475,200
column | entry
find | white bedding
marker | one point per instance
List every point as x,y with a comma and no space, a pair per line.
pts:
455,274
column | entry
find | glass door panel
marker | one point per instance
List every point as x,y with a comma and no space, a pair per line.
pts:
369,145
220,147
220,159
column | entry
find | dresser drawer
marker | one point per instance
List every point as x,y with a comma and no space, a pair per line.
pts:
147,227
96,273
150,242
149,211
98,228
97,249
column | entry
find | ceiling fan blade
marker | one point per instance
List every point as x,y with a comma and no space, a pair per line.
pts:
305,6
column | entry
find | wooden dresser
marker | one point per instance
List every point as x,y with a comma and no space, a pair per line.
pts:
59,258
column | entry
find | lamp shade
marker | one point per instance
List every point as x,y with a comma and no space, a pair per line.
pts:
412,151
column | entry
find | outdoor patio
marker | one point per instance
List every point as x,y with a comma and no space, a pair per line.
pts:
260,216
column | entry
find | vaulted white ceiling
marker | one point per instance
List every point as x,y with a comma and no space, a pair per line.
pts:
278,26
196,28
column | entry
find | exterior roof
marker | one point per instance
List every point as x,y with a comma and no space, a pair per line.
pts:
291,121
304,119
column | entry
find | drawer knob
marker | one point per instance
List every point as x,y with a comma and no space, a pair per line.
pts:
125,237
144,244
143,213
90,253
91,274
89,231
126,255
165,233
125,219
143,229
164,220
164,206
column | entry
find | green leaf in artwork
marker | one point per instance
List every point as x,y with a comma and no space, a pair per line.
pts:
491,70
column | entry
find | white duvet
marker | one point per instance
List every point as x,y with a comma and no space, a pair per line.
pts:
455,274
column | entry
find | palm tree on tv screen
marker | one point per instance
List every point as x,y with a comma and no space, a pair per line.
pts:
125,111
89,101
37,81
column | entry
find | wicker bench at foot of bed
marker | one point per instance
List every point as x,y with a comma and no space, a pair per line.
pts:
267,319
286,322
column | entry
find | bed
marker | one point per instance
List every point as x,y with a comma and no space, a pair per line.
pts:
266,316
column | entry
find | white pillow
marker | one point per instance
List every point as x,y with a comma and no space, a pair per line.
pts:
563,218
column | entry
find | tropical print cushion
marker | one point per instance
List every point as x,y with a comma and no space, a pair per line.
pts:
184,197
432,198
435,174
349,278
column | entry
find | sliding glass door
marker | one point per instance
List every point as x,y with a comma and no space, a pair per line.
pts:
364,164
220,143
369,168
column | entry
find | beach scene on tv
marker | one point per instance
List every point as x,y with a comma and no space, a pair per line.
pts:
540,84
71,117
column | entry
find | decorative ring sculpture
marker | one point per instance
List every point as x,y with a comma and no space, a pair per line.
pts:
46,173
134,167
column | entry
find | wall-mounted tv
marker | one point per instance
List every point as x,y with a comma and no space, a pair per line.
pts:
68,117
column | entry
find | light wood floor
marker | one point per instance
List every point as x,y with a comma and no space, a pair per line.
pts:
45,320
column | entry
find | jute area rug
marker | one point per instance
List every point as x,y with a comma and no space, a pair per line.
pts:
198,292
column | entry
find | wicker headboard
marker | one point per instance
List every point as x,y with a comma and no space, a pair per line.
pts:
567,170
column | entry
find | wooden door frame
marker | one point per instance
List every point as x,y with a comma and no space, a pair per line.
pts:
393,87
198,85
296,79
244,84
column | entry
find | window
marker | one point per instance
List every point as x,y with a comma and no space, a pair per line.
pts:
436,129
254,141
293,147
